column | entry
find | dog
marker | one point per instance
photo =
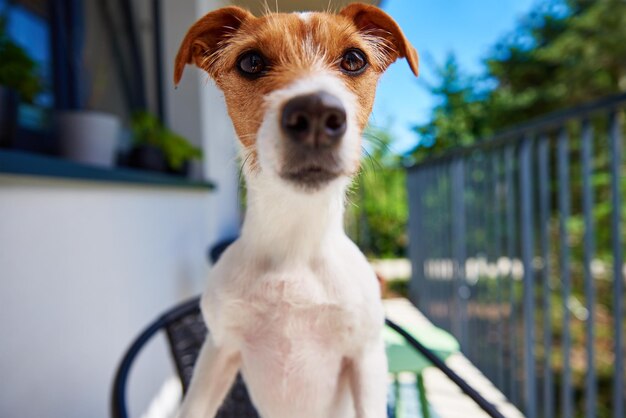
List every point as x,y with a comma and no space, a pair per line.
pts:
293,304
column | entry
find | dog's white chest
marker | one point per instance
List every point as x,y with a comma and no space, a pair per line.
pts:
295,325
295,329
285,311
294,341
297,353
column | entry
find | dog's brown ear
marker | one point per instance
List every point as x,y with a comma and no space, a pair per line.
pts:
204,37
373,21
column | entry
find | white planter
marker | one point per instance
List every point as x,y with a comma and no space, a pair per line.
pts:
88,137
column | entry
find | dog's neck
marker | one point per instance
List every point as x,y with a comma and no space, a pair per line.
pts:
283,223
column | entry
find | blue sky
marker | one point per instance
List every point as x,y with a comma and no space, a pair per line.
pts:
468,28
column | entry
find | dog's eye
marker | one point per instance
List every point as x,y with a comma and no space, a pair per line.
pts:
251,64
353,61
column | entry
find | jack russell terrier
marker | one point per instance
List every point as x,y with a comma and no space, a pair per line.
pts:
293,303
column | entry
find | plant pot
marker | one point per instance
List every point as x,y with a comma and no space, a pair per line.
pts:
182,171
88,137
9,101
151,158
147,157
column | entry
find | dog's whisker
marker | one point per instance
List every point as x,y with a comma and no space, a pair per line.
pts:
266,8
367,157
243,165
380,143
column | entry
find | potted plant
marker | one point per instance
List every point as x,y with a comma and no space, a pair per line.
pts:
157,148
19,80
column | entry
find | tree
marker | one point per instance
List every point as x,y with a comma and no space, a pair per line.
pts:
565,52
459,117
377,212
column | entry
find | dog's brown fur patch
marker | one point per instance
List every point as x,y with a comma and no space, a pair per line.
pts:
294,47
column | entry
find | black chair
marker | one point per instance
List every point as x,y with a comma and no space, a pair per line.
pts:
186,332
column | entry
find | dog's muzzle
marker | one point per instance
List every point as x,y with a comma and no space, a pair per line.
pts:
313,126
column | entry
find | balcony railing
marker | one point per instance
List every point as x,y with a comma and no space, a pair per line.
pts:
517,249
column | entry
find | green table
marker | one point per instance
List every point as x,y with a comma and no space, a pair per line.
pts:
402,357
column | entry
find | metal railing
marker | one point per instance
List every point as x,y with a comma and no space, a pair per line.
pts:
517,249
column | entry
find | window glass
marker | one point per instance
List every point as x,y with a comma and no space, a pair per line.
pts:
28,26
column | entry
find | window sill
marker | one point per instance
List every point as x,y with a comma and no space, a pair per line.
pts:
26,164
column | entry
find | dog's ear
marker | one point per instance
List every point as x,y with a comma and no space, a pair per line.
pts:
205,36
373,21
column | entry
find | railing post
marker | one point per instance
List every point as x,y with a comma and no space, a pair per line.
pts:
495,246
567,399
526,197
457,173
544,222
416,285
509,158
618,278
588,249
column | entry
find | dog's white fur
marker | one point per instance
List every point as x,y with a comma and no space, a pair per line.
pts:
293,304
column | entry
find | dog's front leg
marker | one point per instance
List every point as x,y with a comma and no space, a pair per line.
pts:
213,376
368,381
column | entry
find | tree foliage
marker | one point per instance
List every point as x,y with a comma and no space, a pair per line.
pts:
565,52
377,213
459,118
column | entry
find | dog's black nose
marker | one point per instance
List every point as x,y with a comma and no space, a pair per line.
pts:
314,120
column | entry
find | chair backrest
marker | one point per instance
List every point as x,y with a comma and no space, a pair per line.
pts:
185,332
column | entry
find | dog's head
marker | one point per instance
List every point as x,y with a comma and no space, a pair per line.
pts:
299,87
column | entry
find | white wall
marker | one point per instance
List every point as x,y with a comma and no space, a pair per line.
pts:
197,99
84,266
